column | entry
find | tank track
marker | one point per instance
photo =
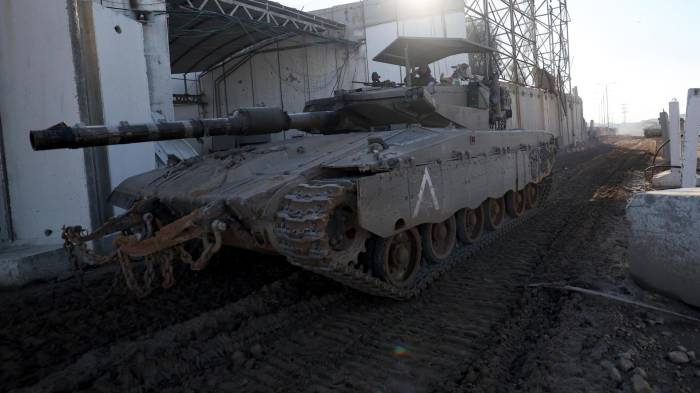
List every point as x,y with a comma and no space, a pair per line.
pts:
300,228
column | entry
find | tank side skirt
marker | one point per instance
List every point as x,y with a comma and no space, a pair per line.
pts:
434,192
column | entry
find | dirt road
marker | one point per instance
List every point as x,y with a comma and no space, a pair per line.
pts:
252,324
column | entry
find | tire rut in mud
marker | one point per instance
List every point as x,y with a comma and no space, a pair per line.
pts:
516,361
46,327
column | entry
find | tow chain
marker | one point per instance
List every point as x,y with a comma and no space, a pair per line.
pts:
76,239
70,236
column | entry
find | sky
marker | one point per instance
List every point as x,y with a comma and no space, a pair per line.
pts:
645,51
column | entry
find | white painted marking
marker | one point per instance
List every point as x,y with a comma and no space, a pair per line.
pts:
427,181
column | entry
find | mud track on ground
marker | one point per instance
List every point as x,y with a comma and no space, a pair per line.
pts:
264,327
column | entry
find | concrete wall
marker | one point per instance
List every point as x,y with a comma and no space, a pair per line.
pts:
282,75
42,68
38,85
124,88
536,109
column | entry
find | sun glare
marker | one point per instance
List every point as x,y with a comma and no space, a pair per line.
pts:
417,6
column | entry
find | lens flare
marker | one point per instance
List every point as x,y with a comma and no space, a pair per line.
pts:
400,350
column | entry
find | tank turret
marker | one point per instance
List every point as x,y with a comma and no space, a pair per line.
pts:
246,121
346,111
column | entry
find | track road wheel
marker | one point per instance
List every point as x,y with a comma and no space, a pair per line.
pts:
532,196
470,224
495,212
439,239
344,232
397,259
515,203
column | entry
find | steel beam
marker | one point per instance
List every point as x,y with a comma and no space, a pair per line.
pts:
528,35
265,11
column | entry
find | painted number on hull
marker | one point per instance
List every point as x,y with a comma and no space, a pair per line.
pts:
426,182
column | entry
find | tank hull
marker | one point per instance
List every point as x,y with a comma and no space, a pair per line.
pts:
392,180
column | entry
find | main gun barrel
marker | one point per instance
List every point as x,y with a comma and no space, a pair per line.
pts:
246,121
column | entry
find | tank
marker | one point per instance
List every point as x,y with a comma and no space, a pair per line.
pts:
392,186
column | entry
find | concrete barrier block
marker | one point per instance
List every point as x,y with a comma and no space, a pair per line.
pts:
665,242
668,179
21,264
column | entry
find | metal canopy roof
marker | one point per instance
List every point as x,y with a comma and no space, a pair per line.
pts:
426,50
204,33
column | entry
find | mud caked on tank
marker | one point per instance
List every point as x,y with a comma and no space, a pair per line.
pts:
401,183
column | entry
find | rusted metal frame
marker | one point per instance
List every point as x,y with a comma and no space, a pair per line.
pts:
154,246
202,223
129,219
76,239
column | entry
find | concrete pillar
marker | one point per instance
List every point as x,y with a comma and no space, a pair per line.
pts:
674,135
690,141
663,123
157,53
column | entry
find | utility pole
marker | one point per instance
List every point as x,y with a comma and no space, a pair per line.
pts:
624,113
607,109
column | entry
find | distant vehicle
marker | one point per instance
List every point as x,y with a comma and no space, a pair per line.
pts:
652,132
657,130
